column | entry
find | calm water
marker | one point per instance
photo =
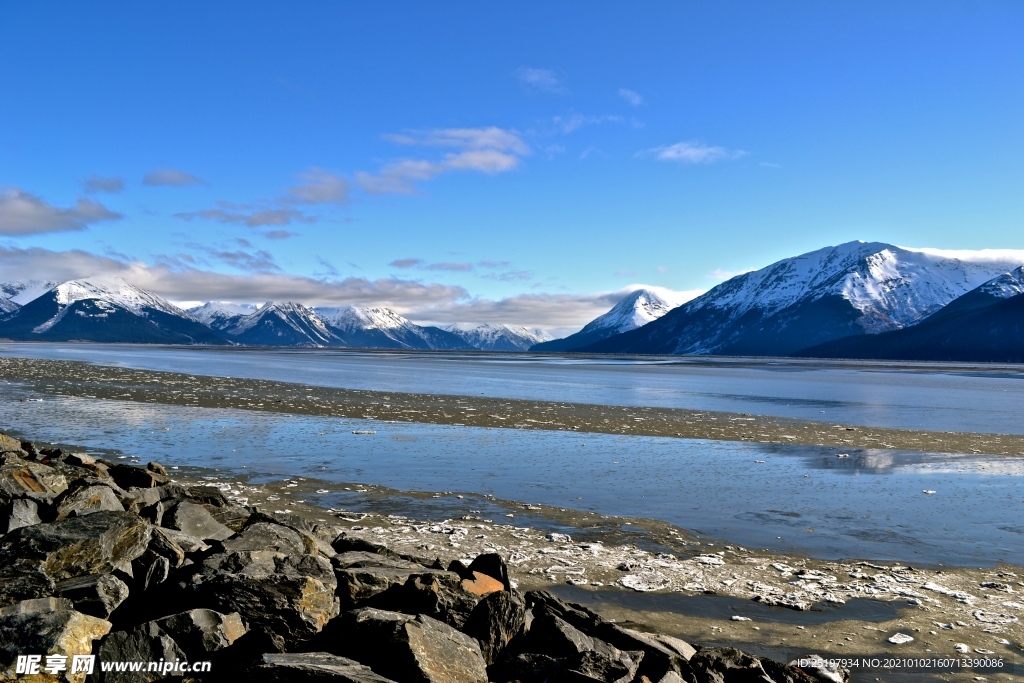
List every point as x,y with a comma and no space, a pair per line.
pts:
869,505
983,399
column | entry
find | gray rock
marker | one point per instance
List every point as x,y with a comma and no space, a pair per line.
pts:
156,572
18,512
201,632
313,667
187,542
291,596
415,649
8,444
144,643
728,665
163,544
196,521
357,585
88,499
97,595
18,476
266,536
233,517
46,626
495,620
360,559
127,476
78,546
662,654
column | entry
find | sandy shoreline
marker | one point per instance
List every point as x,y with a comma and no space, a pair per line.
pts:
80,379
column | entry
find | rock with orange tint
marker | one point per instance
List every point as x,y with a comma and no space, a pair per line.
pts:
481,584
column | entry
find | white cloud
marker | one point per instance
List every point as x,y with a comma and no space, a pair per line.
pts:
719,274
171,177
973,255
320,187
22,213
631,96
541,80
484,150
693,152
180,278
253,218
97,183
177,279
572,122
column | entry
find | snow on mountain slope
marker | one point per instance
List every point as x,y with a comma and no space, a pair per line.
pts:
487,337
825,294
109,293
381,327
634,311
24,291
351,318
221,314
107,310
282,324
891,286
1006,285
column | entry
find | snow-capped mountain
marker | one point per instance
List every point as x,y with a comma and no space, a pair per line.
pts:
852,288
221,315
104,309
382,328
489,337
281,324
985,324
635,310
13,295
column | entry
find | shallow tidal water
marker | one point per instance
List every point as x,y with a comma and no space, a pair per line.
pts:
935,396
799,499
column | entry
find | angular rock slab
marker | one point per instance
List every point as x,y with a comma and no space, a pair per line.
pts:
201,632
495,621
33,558
89,499
727,665
291,596
415,649
30,477
196,521
46,626
97,595
78,546
313,667
144,643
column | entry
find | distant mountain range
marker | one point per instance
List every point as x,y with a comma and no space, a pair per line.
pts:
797,305
854,300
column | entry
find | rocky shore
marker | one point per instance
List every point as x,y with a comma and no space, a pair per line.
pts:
120,562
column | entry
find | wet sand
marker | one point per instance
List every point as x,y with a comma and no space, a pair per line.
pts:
80,379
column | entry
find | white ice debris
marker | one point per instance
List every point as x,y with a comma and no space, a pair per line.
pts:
900,639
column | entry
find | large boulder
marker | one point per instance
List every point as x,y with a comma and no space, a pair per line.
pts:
497,619
313,667
18,512
33,558
417,649
47,626
288,595
728,665
97,595
88,499
201,632
196,521
145,643
18,476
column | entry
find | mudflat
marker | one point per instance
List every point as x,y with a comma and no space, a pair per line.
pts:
80,379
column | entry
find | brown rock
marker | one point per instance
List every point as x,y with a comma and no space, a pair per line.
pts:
46,627
481,584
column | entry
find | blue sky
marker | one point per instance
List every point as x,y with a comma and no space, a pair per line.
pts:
481,162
